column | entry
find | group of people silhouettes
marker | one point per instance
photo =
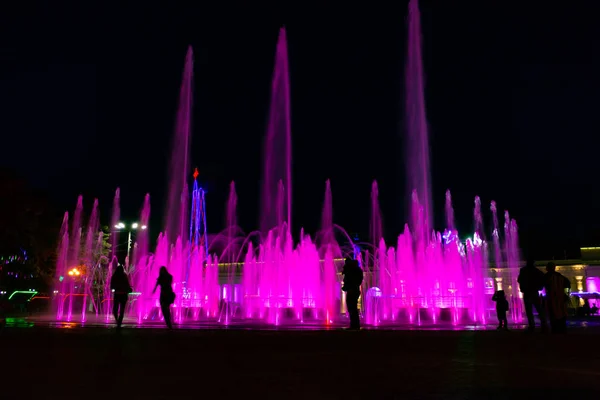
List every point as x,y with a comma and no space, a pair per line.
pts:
531,282
553,306
119,284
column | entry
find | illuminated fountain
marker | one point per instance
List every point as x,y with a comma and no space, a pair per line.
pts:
76,264
268,276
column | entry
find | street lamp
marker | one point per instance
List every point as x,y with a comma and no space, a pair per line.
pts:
134,226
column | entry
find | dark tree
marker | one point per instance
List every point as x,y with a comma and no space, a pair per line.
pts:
28,225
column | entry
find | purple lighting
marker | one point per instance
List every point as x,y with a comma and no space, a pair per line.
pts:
277,172
417,136
425,278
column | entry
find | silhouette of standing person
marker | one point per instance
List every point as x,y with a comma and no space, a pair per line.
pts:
501,309
586,309
556,298
167,295
353,277
531,282
119,284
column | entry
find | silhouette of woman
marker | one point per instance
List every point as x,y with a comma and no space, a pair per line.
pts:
119,284
167,295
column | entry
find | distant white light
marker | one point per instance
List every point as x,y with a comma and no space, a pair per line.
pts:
134,225
144,227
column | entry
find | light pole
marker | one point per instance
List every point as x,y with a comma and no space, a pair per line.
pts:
134,226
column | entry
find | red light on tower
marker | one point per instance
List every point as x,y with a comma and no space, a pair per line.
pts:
196,173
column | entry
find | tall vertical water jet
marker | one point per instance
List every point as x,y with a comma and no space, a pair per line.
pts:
496,236
92,232
376,226
62,254
142,268
142,239
511,239
175,223
417,137
76,233
230,254
114,220
231,220
278,145
327,237
87,258
478,218
328,247
481,271
449,211
74,258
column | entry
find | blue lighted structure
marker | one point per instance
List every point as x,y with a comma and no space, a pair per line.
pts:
198,232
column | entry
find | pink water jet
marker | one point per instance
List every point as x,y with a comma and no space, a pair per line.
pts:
417,136
76,265
425,277
112,261
376,226
176,222
62,253
277,169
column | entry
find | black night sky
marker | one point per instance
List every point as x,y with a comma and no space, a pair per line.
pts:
88,97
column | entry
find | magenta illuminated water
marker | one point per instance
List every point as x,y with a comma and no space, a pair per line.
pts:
176,223
424,278
112,260
417,135
278,147
75,265
279,281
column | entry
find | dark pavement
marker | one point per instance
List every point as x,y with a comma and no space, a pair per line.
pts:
97,363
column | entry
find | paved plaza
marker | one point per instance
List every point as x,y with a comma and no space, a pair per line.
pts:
68,361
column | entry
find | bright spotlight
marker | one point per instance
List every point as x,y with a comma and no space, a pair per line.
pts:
134,225
144,227
74,272
121,225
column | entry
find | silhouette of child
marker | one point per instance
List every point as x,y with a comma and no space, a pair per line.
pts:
501,309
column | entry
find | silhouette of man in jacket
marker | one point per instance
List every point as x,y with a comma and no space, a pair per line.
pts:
353,277
531,281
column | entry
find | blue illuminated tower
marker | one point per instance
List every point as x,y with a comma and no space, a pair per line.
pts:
198,232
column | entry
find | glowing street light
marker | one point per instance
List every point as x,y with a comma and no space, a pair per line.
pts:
134,226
